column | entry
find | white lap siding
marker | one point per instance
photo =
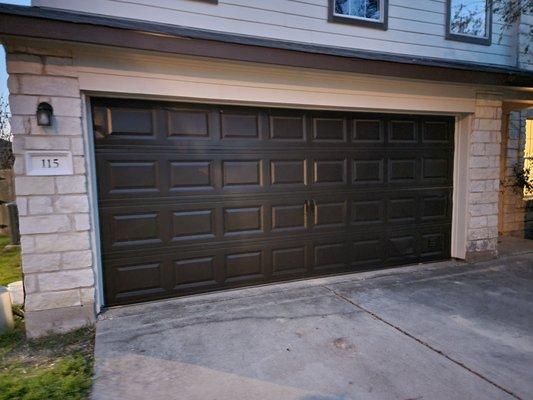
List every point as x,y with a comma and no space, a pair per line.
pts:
415,27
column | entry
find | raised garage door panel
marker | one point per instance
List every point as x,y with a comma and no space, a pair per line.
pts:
195,198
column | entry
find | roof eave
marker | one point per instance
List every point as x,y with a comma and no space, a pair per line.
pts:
35,22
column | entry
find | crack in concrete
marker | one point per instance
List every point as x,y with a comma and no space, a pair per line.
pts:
423,343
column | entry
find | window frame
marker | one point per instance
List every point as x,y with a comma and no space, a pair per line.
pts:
361,21
458,37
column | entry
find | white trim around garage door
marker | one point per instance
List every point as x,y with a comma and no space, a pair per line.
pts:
92,189
173,78
460,186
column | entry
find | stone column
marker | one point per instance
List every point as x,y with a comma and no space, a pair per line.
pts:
57,258
484,177
512,203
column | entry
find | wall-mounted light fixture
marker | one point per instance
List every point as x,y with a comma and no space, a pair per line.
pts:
44,114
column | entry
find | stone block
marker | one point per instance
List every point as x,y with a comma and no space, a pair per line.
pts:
13,85
47,143
79,165
479,162
478,222
49,85
20,63
22,205
58,320
61,66
477,186
487,124
72,204
17,145
77,147
480,255
493,232
76,259
40,205
71,184
82,222
65,280
478,149
50,300
20,125
482,245
477,210
484,197
23,105
481,137
31,285
494,162
66,107
44,224
29,185
19,168
484,173
473,234
33,263
62,242
27,244
487,112
88,295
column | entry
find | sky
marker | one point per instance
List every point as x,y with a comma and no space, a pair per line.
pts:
3,73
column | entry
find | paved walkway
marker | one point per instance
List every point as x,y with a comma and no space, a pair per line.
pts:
441,331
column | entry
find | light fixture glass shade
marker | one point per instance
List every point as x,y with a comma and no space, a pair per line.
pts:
44,114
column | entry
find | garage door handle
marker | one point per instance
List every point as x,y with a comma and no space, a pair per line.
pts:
313,206
309,207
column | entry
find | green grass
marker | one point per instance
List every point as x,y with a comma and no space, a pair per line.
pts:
58,367
9,263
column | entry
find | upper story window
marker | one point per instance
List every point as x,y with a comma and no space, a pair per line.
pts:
469,21
369,13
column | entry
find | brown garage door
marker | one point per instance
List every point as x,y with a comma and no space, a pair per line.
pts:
194,198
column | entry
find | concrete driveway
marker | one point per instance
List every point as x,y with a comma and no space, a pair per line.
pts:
444,331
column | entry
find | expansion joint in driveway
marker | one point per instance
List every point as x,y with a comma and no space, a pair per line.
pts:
423,343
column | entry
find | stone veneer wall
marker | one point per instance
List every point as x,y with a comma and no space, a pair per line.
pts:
512,203
484,177
57,259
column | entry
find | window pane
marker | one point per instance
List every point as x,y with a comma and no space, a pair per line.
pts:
469,17
359,8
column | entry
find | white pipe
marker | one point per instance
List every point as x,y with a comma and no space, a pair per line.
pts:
6,313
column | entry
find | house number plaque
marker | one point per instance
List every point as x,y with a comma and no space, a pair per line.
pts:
42,163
